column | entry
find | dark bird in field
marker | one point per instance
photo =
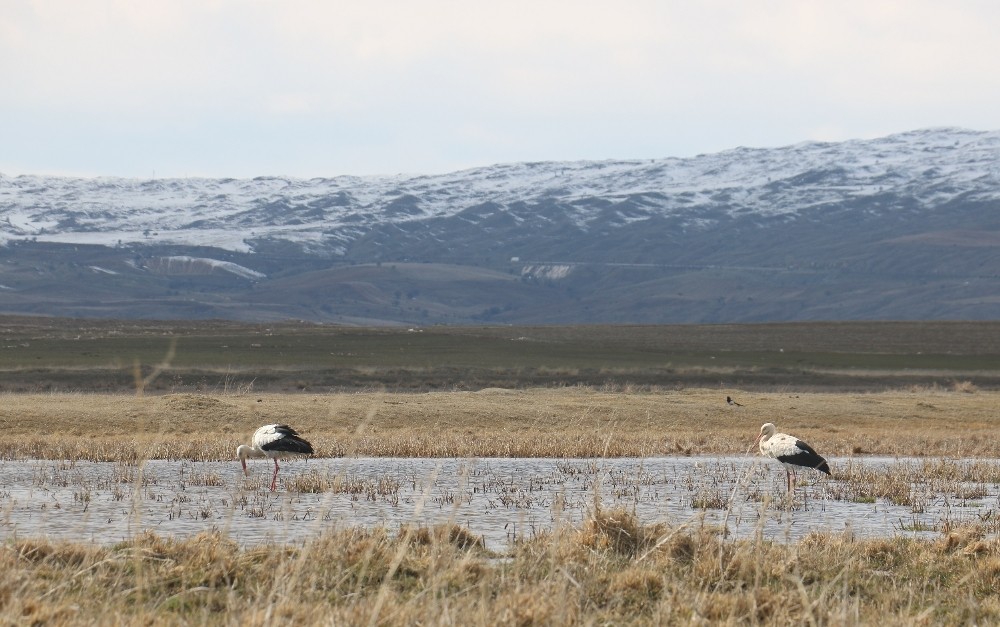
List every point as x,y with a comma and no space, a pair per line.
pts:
729,399
274,441
790,451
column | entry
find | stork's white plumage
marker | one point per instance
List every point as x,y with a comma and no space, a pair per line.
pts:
790,451
275,442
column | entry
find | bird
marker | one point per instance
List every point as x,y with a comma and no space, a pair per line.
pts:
276,442
729,399
790,451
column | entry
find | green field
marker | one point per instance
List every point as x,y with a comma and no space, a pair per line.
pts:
42,354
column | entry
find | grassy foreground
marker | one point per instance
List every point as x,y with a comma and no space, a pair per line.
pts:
610,571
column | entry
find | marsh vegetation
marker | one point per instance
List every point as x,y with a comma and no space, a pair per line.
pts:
603,560
572,422
612,569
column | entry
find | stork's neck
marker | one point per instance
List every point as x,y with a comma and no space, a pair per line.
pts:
243,451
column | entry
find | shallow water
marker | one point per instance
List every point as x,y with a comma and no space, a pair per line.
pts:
502,500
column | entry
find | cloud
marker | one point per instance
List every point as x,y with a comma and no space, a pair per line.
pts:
221,86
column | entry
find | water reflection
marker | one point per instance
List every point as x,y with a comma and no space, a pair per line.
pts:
501,500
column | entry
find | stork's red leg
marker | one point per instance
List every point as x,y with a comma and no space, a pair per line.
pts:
274,479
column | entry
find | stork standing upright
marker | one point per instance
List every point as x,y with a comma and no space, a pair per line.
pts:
790,451
275,442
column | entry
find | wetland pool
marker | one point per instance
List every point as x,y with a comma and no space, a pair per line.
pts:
500,499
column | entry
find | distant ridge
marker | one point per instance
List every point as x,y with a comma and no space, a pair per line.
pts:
901,227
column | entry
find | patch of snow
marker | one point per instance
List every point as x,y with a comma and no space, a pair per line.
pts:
228,266
552,272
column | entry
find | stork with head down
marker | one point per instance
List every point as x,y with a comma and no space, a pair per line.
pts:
274,441
790,451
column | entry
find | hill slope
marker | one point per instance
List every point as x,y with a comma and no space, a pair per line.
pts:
903,227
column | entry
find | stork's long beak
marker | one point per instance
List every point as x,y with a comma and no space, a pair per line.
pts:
246,473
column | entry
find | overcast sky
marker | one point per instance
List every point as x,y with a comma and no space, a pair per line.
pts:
241,88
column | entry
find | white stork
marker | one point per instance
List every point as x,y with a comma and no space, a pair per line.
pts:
790,451
274,441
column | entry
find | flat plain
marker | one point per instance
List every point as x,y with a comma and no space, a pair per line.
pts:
57,354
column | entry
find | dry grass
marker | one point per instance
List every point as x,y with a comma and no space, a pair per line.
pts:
567,422
613,570
903,483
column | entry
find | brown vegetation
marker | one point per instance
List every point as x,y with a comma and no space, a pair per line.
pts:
613,570
564,422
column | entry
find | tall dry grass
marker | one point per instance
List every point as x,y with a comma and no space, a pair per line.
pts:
612,570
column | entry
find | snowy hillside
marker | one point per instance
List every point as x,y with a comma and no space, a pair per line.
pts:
931,167
903,227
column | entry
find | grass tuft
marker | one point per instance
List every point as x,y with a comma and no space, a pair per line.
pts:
611,570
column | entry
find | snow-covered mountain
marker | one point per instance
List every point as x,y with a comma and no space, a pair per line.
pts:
899,205
930,167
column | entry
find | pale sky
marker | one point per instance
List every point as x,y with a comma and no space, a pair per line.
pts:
306,88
